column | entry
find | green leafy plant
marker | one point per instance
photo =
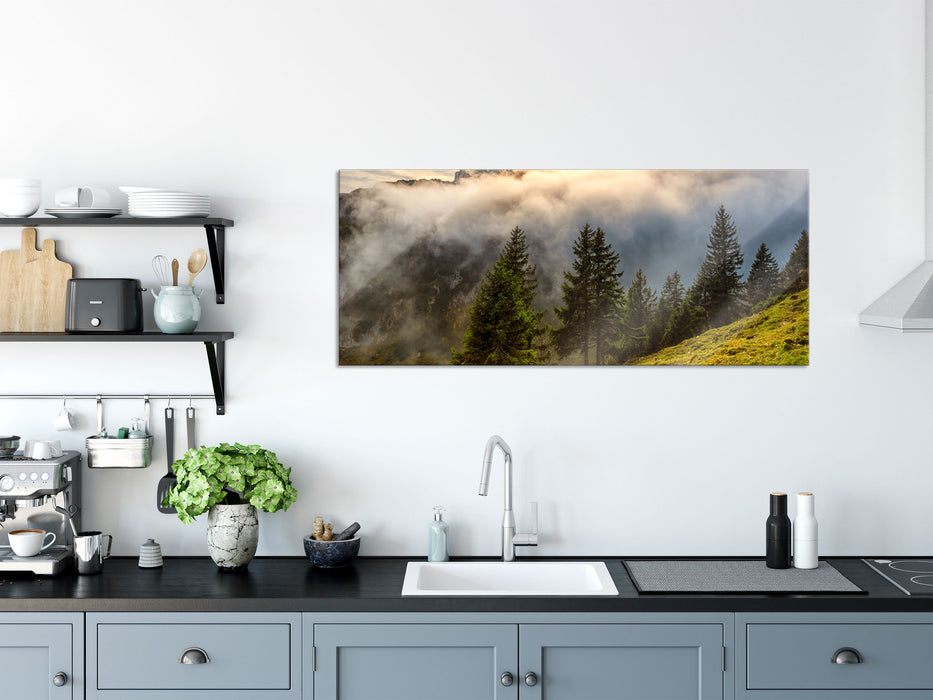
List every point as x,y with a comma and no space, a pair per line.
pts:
229,474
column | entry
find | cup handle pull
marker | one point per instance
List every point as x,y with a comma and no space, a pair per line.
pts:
46,545
109,546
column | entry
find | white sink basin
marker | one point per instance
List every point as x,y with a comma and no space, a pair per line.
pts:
496,578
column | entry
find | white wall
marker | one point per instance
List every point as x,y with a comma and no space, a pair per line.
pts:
259,104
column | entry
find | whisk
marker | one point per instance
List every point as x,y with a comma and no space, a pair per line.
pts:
160,268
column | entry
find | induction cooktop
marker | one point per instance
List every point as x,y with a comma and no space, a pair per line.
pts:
913,576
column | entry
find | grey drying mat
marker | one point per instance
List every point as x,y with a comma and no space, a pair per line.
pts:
742,576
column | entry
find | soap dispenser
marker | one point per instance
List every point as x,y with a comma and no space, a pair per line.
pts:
437,537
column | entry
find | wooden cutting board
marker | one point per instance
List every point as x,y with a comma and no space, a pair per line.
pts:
33,286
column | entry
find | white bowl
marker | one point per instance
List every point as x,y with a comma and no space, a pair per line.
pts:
19,204
20,190
19,182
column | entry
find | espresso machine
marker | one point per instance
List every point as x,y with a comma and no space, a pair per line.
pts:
40,494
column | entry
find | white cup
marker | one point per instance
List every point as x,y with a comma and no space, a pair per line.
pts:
85,197
37,449
65,420
28,543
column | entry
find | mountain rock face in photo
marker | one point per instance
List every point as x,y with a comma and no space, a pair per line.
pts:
413,252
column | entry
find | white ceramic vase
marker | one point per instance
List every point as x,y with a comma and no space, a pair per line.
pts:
232,535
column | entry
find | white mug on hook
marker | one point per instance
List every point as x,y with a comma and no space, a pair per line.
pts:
65,419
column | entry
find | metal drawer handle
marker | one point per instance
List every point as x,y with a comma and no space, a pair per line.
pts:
194,655
531,679
59,679
847,655
506,679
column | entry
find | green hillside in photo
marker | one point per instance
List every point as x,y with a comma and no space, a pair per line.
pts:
778,335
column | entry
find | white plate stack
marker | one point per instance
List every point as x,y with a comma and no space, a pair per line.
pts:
156,204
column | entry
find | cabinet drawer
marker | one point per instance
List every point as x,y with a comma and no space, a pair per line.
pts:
252,656
799,656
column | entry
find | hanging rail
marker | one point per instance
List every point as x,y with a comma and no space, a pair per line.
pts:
138,397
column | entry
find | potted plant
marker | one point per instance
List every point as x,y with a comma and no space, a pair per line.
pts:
229,482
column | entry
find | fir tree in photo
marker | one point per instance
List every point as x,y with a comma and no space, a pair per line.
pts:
671,299
503,327
797,270
592,296
719,282
639,307
764,277
515,258
685,320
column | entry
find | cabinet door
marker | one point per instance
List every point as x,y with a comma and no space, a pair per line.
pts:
31,655
643,661
414,662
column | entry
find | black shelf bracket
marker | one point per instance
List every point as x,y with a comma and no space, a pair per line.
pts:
215,248
215,361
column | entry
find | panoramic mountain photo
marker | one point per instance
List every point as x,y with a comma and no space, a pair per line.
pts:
574,267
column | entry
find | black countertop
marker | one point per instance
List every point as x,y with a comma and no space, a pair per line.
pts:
290,584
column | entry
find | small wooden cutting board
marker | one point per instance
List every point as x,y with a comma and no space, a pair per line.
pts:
33,286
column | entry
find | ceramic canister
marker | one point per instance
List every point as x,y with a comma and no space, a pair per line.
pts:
176,309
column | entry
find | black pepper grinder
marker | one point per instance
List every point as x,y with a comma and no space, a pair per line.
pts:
777,550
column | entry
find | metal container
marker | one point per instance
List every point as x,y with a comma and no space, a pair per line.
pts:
118,453
8,445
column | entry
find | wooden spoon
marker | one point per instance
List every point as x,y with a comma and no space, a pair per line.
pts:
174,272
196,263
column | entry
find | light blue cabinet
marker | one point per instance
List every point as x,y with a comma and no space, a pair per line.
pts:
835,656
414,661
466,656
42,655
207,656
515,656
638,661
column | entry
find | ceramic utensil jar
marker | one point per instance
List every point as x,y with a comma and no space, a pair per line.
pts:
177,309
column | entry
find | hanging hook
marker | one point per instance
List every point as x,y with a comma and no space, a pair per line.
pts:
169,402
189,400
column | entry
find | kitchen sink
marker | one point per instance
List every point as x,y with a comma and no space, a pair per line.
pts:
515,578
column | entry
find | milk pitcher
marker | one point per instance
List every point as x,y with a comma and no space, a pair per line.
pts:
177,309
89,551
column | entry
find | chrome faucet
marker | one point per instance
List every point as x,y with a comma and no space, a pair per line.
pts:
510,539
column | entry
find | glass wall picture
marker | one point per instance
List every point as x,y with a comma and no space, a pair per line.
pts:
574,267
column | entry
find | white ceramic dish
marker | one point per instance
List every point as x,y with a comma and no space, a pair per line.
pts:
126,189
169,214
77,213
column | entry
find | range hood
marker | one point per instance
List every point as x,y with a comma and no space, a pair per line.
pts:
908,306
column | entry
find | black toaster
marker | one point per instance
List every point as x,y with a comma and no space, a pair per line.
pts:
104,305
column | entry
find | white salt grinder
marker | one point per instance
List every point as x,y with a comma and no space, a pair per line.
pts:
805,533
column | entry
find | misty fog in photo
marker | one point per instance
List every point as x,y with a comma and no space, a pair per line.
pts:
415,246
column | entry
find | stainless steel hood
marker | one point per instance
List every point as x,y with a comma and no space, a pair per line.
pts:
908,306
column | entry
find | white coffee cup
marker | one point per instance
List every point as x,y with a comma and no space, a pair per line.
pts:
28,543
37,449
85,197
65,420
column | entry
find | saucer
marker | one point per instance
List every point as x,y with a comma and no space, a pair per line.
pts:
83,213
